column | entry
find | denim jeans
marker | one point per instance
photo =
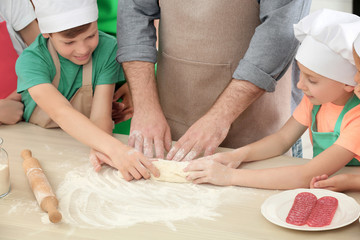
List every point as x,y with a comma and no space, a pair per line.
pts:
297,149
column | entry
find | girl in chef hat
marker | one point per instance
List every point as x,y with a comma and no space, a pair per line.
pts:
18,29
329,108
343,182
67,77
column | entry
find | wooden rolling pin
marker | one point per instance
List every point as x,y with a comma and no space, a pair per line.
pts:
40,186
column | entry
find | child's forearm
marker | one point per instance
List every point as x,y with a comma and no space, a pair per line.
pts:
88,133
102,106
273,178
354,182
104,123
265,148
275,144
297,176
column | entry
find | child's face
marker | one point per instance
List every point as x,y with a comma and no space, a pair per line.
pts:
357,65
320,89
78,49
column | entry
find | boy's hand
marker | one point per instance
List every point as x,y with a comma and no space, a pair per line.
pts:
97,159
132,164
209,171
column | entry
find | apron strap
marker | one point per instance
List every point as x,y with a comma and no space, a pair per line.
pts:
87,74
313,117
81,100
351,103
321,144
56,61
87,68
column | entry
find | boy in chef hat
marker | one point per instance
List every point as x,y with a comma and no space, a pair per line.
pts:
329,108
343,182
67,77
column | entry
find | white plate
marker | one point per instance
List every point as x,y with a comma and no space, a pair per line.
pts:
276,208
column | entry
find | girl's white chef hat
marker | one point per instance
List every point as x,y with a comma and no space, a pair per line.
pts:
326,38
59,15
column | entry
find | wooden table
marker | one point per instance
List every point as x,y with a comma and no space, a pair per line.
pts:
238,220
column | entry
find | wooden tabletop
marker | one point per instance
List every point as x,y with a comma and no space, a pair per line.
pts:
239,217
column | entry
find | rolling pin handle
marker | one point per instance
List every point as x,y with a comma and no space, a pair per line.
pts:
26,153
49,205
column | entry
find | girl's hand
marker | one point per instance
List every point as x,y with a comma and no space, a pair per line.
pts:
338,183
209,171
11,111
231,159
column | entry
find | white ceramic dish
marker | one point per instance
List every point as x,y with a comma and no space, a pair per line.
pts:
276,208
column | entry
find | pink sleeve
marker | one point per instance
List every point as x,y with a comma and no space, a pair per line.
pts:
302,113
350,132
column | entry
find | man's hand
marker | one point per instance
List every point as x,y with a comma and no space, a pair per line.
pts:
149,130
149,127
204,136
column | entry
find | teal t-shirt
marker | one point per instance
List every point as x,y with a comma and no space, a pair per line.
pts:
35,66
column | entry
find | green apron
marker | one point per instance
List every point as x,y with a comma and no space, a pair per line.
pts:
323,140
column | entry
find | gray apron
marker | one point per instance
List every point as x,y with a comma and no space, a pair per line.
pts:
201,44
81,101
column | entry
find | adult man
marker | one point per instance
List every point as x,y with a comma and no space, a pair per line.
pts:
216,61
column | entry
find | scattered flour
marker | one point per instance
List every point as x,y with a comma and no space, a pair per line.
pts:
24,207
104,200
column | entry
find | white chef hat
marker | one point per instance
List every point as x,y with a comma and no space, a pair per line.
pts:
59,15
357,45
327,38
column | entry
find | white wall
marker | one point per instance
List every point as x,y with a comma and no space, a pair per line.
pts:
341,5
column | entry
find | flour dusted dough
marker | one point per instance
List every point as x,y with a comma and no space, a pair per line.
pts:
171,171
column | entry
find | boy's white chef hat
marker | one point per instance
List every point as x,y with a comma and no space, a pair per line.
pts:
59,15
327,38
357,45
